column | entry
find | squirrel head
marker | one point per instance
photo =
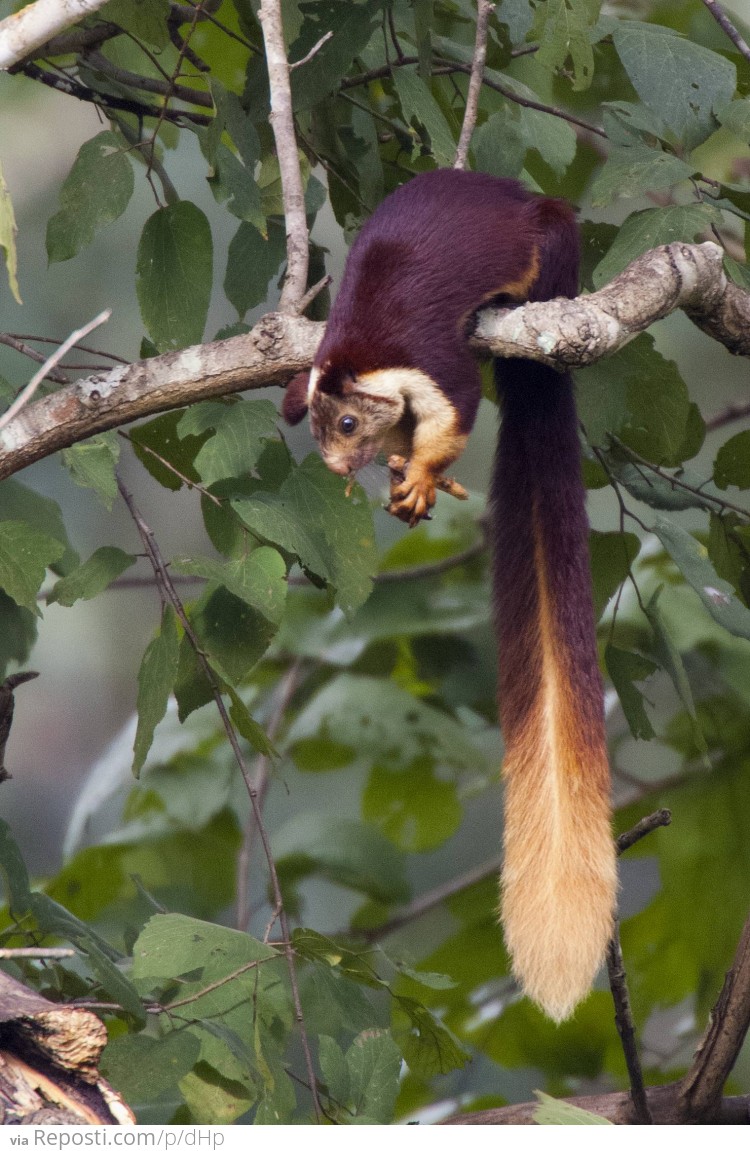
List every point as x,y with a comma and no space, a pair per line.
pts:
351,417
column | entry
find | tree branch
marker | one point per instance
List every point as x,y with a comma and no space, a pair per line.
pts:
559,332
581,331
727,26
701,1089
35,24
282,123
484,11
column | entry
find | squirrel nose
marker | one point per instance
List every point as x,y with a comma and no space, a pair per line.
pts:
337,466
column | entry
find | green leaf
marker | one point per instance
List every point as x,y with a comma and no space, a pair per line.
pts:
334,1068
162,442
249,728
687,489
25,555
736,117
384,724
669,658
103,959
650,228
252,262
624,668
92,465
141,1067
174,275
96,192
8,237
173,945
344,851
352,24
233,634
415,809
499,145
17,633
566,39
636,171
240,436
258,579
641,399
418,103
426,1044
732,464
559,1111
155,682
92,577
683,83
146,20
310,517
612,556
374,1065
555,143
18,502
717,596
17,887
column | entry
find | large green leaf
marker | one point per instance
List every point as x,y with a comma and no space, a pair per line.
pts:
92,577
174,273
717,596
637,171
253,260
156,679
8,237
418,103
25,555
310,517
650,228
96,192
682,82
352,23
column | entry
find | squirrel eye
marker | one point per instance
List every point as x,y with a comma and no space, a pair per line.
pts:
347,424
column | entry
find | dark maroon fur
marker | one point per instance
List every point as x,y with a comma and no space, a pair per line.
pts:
426,260
294,404
538,465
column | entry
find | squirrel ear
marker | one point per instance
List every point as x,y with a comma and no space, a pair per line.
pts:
294,404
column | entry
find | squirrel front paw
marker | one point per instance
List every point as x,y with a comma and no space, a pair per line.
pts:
413,490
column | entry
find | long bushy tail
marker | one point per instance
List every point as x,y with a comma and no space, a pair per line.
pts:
559,873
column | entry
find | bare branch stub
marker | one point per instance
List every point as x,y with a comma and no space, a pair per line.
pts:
282,123
484,11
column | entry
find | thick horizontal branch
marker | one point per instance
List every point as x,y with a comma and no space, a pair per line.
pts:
664,1104
573,333
276,348
582,331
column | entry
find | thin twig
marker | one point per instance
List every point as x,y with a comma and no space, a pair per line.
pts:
730,414
37,952
17,344
618,980
261,781
445,67
727,26
164,88
626,1026
52,362
313,51
112,103
53,340
282,122
660,818
169,592
484,11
